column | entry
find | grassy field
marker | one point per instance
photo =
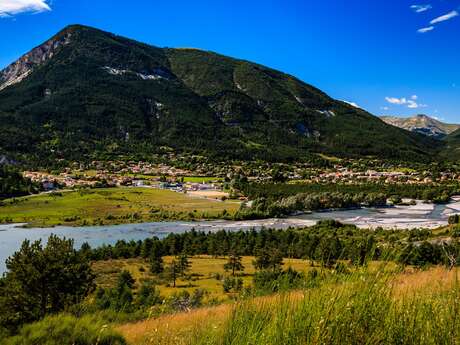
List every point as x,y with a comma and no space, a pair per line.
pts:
110,206
205,269
412,307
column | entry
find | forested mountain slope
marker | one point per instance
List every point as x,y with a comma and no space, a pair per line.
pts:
87,94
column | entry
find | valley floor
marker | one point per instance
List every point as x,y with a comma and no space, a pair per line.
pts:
107,206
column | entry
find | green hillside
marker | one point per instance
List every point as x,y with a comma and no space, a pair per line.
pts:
88,94
452,149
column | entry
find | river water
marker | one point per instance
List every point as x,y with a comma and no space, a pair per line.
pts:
400,217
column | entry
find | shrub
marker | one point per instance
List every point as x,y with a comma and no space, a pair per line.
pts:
66,330
232,283
148,295
185,301
269,281
455,232
454,219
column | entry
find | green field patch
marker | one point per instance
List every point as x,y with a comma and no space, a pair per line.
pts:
110,206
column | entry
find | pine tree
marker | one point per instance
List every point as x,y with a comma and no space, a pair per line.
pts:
234,264
43,279
270,258
183,264
173,271
156,259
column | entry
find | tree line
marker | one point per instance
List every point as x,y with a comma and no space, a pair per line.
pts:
281,199
326,242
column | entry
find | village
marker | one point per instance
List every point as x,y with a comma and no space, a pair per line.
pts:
212,180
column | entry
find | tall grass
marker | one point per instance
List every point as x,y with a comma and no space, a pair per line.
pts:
66,330
362,310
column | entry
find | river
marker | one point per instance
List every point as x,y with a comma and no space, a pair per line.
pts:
400,217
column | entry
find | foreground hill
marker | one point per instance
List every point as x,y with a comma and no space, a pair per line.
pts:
422,124
88,94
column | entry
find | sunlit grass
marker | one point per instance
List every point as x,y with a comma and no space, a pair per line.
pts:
380,307
110,206
204,268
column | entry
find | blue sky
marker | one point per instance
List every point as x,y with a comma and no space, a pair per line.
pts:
388,56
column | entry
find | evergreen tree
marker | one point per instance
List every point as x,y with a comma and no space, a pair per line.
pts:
270,258
173,271
234,264
41,280
125,279
156,259
146,248
183,264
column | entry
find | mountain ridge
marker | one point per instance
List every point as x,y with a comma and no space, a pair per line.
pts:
86,93
422,124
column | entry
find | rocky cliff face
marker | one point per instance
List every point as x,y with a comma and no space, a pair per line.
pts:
20,69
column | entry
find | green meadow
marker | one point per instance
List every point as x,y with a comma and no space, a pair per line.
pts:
110,206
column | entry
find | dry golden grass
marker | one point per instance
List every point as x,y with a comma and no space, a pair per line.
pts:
204,267
186,328
177,329
436,279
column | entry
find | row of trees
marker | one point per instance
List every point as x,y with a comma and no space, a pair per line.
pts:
321,243
280,199
326,242
278,191
264,207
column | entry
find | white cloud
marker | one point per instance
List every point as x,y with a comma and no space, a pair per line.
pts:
425,30
445,17
421,8
410,103
385,108
10,8
394,100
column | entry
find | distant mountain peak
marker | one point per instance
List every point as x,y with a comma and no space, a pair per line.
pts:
422,124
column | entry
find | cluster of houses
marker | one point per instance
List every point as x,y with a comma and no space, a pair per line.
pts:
144,174
104,178
51,182
344,175
190,187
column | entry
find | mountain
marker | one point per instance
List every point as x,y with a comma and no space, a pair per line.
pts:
452,149
422,124
89,94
